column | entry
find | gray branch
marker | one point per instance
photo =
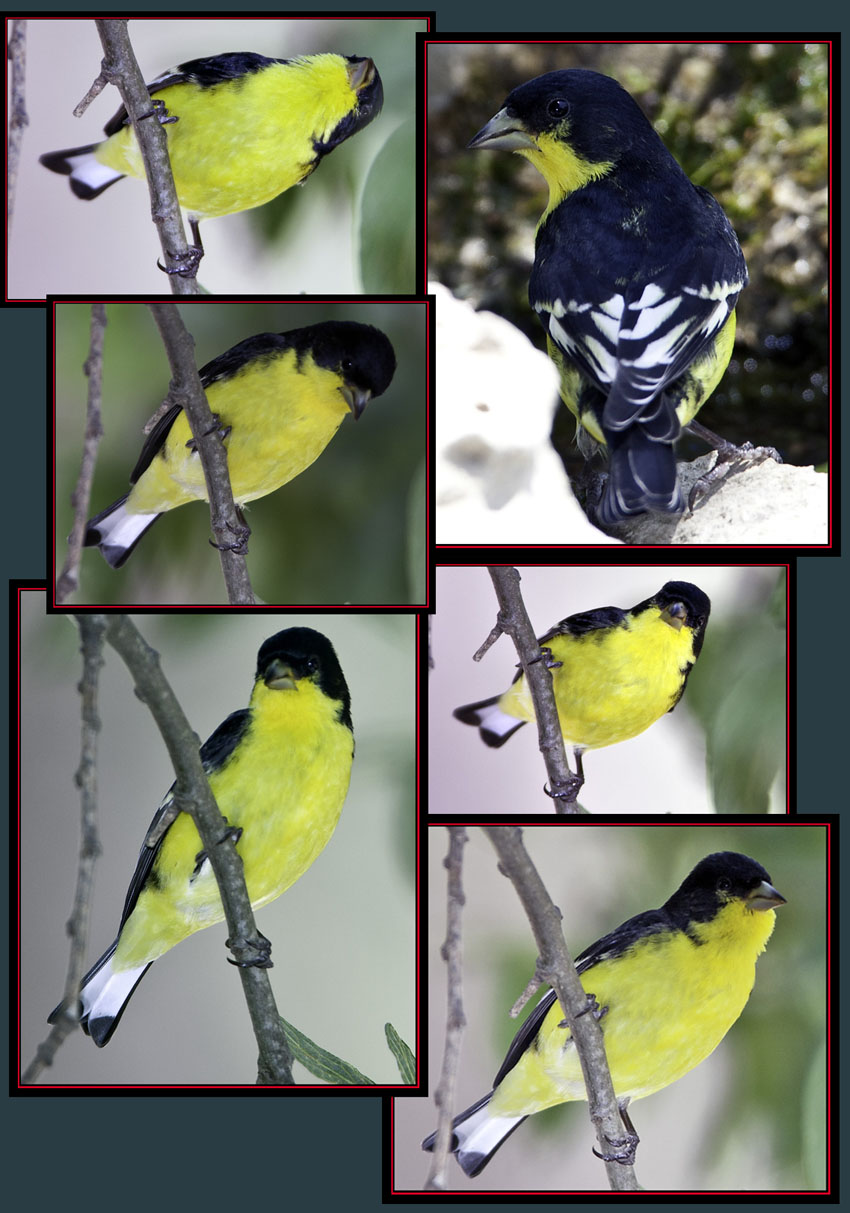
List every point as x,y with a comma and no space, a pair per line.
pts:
229,531
555,966
120,68
18,118
81,496
513,620
452,952
193,795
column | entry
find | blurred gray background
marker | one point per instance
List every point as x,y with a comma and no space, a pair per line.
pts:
343,936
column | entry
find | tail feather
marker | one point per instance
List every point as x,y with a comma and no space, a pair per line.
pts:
642,476
104,994
494,725
116,531
88,176
477,1135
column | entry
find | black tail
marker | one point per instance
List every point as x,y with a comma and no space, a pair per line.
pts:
642,476
88,176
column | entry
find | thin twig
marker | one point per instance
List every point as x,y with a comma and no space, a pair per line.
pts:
120,68
95,89
230,533
18,119
193,795
513,620
452,953
91,645
556,967
81,496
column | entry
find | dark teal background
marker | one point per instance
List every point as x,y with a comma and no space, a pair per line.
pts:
120,1151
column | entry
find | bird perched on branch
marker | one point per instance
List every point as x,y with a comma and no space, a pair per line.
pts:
241,129
279,771
636,276
614,672
278,398
666,987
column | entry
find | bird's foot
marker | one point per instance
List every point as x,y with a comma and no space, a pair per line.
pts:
251,953
730,459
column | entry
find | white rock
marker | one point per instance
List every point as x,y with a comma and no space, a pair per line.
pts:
767,503
498,477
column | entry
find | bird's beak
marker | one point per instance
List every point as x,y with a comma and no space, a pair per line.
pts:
361,74
765,897
505,132
675,615
280,676
356,399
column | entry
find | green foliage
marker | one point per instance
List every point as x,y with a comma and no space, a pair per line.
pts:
334,1070
417,555
402,1053
387,217
814,1121
737,691
320,1062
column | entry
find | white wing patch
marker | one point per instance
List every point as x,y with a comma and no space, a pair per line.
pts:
643,344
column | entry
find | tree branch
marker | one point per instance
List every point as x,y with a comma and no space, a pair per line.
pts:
91,645
81,496
120,68
193,795
452,952
513,620
555,966
230,532
18,120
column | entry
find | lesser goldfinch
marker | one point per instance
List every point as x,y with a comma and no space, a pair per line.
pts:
636,275
279,770
241,128
279,399
619,671
668,983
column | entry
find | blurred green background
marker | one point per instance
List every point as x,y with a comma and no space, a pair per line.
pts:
751,1117
347,925
342,531
746,121
307,240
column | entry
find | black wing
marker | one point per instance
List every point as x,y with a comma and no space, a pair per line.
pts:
154,442
214,753
649,923
598,620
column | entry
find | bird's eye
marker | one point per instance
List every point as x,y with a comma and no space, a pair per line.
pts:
558,107
724,883
347,364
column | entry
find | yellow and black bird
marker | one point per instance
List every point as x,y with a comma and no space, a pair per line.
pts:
669,984
619,671
241,129
279,771
278,398
636,275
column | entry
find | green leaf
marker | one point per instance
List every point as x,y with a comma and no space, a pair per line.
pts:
405,1059
321,1063
387,217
